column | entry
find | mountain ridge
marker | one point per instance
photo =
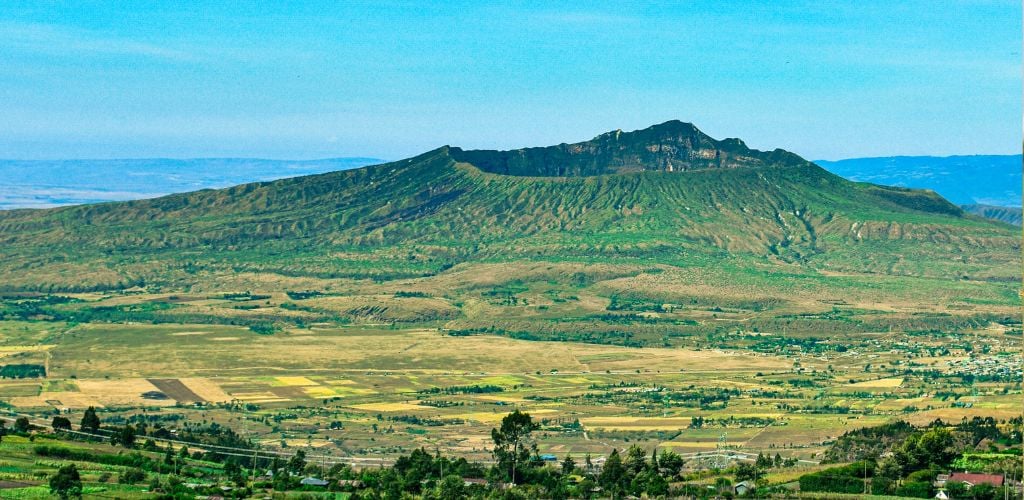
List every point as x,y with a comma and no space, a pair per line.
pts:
670,146
425,214
1009,215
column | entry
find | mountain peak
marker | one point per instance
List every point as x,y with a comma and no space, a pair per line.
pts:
672,146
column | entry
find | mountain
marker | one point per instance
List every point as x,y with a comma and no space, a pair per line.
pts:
964,180
50,183
613,206
673,146
1009,215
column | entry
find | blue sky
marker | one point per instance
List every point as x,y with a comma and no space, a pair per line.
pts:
313,79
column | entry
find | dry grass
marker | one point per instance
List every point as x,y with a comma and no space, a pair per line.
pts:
389,407
885,383
636,423
121,392
206,389
155,351
71,400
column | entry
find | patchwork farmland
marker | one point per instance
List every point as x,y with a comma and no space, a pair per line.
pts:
381,391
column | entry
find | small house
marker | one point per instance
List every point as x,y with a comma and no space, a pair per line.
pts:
742,487
313,481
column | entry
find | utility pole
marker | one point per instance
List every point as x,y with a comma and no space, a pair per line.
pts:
723,442
865,462
255,453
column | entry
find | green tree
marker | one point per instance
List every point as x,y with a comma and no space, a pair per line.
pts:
670,464
613,475
66,483
452,487
586,488
916,489
651,483
297,463
748,472
936,447
636,460
125,437
21,425
90,422
723,485
233,471
568,465
132,476
984,491
60,424
512,445
957,489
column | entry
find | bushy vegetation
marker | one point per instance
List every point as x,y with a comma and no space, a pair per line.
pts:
22,371
899,459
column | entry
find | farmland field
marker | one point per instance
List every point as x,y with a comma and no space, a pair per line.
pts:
373,388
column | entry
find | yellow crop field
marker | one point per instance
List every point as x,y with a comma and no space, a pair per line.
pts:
388,406
883,383
294,382
206,389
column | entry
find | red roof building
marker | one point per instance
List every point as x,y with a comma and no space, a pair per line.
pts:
976,479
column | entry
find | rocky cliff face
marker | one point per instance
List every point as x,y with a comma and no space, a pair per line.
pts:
672,146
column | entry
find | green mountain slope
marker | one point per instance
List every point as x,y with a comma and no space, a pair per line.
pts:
664,195
1009,215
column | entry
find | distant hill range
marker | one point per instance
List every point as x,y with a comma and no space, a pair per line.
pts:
668,194
51,183
964,180
1009,215
986,185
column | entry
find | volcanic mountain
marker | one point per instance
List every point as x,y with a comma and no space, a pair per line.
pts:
668,195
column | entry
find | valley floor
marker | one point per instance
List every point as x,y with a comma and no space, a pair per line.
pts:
357,392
